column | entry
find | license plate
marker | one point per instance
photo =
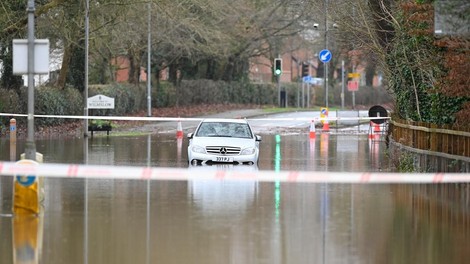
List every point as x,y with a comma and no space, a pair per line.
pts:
223,159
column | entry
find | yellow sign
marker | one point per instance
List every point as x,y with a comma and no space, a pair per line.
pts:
26,192
354,75
323,114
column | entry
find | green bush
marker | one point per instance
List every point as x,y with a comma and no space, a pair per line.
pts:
9,103
53,101
215,92
127,98
163,94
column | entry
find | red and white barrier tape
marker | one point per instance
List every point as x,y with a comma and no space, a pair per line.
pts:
179,174
135,118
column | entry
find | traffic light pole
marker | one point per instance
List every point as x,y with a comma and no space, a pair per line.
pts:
278,90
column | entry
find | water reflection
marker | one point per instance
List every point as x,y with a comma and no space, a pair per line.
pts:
141,221
27,239
117,221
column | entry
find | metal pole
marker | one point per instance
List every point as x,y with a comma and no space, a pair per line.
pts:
149,66
299,74
85,93
353,93
342,84
326,47
30,152
308,95
279,90
279,85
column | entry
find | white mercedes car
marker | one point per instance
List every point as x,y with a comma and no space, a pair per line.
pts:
223,141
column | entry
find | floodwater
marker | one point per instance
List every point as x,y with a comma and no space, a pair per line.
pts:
327,152
138,221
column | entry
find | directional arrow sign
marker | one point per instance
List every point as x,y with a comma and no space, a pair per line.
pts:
325,55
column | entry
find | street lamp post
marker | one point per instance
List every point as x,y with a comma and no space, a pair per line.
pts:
85,94
30,151
149,68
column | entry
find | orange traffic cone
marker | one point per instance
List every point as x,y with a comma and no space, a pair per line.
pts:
376,128
179,130
370,130
326,126
312,129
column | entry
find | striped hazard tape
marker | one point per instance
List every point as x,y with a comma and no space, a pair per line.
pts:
182,174
166,119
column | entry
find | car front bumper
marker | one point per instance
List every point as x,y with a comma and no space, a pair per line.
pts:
210,158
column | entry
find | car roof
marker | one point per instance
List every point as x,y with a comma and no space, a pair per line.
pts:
226,120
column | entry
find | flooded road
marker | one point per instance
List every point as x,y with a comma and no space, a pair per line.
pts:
138,221
327,152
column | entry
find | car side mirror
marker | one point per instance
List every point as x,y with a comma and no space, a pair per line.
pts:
190,135
257,137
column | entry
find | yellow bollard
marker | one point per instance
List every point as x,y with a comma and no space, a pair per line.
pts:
27,239
12,139
28,190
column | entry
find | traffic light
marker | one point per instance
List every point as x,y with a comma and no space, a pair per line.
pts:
305,69
277,66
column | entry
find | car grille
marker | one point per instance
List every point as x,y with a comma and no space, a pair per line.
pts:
222,150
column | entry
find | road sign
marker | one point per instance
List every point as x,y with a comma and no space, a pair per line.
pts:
353,86
100,101
354,75
323,114
26,190
26,180
307,78
325,55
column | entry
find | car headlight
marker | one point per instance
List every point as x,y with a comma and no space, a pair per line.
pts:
248,151
198,149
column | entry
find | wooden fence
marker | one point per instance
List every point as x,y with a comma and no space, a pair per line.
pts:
430,137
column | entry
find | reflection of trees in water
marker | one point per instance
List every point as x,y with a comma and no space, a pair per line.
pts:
435,217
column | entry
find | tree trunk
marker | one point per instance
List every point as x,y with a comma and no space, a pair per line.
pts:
61,80
131,66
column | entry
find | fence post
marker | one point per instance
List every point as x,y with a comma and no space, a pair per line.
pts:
12,139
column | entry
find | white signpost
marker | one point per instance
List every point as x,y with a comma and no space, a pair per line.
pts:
100,101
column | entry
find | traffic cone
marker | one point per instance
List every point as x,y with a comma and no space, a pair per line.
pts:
376,128
312,129
371,133
179,130
326,126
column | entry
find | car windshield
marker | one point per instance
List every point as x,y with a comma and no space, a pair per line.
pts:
224,129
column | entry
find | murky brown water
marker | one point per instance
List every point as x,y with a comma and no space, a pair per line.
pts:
117,221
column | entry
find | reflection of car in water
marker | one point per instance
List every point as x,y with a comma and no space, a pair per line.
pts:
223,141
222,197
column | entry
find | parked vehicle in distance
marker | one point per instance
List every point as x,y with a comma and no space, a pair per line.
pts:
223,141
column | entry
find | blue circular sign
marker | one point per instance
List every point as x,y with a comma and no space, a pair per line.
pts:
26,181
325,56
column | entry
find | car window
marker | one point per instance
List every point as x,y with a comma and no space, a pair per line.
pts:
224,129
206,130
